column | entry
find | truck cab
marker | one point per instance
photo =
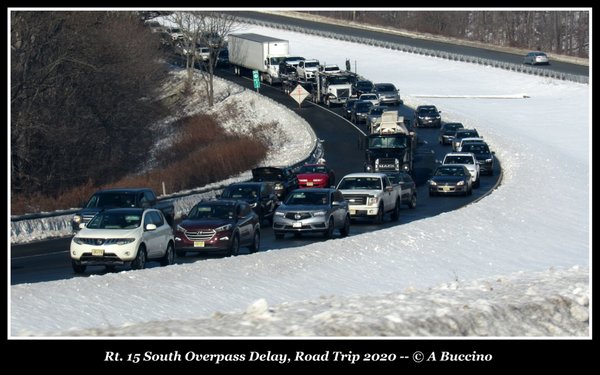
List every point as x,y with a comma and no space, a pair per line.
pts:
390,145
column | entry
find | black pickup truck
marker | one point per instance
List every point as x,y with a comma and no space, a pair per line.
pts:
121,198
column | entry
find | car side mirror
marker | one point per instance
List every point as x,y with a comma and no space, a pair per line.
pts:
150,227
389,188
184,216
493,152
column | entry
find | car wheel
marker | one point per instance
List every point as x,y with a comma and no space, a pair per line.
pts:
279,235
140,259
78,268
396,213
412,204
255,243
329,231
379,217
234,249
345,230
169,257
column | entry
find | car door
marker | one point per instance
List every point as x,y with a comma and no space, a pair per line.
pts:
339,208
149,236
267,199
245,223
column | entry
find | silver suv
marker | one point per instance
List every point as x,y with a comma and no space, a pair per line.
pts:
388,93
312,210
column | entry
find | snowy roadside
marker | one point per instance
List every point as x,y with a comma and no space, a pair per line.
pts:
291,141
552,303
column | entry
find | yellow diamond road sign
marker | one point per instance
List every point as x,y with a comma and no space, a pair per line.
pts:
299,94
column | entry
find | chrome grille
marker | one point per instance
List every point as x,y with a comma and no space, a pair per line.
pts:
201,235
356,199
297,215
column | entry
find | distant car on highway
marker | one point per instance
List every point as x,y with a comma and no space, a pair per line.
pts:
387,93
283,179
484,156
408,188
447,132
315,175
362,87
259,195
312,210
536,58
468,160
121,236
428,116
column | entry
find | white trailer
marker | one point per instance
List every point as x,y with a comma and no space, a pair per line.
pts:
258,52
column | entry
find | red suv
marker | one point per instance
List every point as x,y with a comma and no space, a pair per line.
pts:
218,225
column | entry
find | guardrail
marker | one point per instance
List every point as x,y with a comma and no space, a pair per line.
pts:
520,68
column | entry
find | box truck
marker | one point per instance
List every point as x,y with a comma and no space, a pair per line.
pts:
258,52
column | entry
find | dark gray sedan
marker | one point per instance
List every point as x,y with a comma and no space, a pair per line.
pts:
450,179
312,210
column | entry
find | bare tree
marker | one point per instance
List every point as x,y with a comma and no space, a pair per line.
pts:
215,28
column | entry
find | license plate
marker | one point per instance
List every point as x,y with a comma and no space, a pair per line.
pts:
198,243
446,188
97,252
297,225
309,183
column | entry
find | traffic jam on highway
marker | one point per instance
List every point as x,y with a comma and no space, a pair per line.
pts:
128,227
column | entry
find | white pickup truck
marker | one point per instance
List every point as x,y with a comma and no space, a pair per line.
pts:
371,195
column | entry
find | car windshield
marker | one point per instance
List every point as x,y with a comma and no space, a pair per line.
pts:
310,198
311,64
461,135
312,169
114,220
476,148
363,107
338,80
385,88
458,160
360,183
376,111
115,200
211,212
394,178
364,85
387,142
240,192
427,110
449,171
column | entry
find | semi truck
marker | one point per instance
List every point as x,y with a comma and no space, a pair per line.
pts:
258,52
390,145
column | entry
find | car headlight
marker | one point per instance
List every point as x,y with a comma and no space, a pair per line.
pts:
281,214
179,228
488,160
432,183
253,204
369,168
77,240
319,213
278,186
460,183
372,201
119,241
223,228
77,219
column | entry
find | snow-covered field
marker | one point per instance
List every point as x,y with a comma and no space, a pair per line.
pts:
515,263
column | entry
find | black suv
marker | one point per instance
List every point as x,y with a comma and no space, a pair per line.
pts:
362,87
428,116
485,157
259,195
283,179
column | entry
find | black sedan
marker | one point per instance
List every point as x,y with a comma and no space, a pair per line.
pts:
450,179
259,195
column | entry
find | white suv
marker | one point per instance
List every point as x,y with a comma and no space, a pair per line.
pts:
469,160
123,235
